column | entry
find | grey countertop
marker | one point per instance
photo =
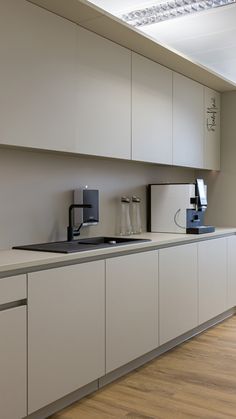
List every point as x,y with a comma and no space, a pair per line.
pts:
18,261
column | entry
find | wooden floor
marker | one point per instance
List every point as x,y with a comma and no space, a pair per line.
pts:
194,380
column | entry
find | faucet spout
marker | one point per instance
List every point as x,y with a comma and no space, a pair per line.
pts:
71,231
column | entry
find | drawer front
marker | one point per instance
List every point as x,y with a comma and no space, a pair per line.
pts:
12,289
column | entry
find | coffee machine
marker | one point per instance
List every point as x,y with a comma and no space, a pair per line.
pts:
177,208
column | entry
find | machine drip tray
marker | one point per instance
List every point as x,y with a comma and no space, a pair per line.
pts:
200,230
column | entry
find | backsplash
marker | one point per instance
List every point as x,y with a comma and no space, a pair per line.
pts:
37,188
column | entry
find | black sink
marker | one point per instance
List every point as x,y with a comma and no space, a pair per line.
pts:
107,240
81,245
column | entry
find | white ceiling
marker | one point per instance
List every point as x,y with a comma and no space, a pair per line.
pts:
208,37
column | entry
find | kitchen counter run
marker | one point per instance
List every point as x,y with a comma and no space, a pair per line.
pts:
19,261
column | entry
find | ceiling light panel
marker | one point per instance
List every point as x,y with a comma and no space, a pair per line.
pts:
165,10
117,7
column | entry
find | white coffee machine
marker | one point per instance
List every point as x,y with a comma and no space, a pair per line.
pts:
177,208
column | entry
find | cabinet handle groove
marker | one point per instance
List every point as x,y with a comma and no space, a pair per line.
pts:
13,304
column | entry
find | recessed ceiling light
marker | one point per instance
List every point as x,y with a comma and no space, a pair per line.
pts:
170,9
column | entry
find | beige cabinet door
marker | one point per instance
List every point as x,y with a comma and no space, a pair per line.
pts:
131,307
231,247
151,111
37,83
178,291
13,363
188,122
66,331
104,97
212,271
212,129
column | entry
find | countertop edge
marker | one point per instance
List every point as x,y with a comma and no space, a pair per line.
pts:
13,262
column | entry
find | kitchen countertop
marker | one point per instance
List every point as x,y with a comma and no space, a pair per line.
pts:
18,261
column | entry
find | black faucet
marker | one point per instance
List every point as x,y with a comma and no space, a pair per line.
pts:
71,230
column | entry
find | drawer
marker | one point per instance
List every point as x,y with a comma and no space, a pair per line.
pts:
12,288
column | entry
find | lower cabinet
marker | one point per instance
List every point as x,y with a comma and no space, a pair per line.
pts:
178,291
66,331
231,247
212,271
13,363
131,307
87,320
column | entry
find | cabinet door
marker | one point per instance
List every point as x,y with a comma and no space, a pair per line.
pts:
188,122
151,111
13,363
131,307
178,291
66,331
212,130
231,247
212,270
37,83
104,97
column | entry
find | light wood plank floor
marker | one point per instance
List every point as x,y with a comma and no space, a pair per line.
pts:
195,380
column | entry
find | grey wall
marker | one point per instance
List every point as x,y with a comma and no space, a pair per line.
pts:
36,190
222,185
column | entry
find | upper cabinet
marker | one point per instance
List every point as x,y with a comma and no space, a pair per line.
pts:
188,122
37,77
212,129
65,88
103,119
151,111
